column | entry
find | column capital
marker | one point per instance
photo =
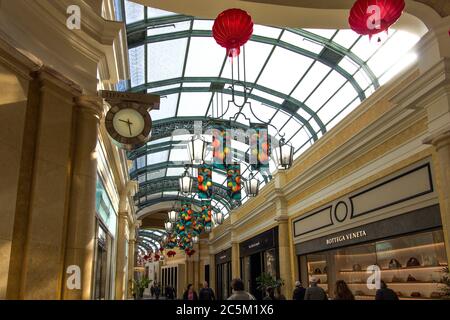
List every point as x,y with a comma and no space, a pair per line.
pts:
91,104
439,139
282,219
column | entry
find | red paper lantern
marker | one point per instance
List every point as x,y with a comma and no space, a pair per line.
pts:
370,17
232,29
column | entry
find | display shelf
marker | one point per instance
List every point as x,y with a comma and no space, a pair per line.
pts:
418,268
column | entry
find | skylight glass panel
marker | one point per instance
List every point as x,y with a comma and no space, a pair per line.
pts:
346,38
136,59
278,121
301,42
179,155
133,12
391,52
331,84
345,112
158,157
284,70
193,103
169,28
369,91
310,81
196,84
349,65
157,13
363,79
218,178
167,107
290,128
299,138
266,31
405,62
326,33
165,59
205,58
203,24
175,172
365,48
153,197
267,96
343,98
263,112
256,55
140,162
158,174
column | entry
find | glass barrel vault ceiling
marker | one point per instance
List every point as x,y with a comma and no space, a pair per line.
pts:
302,81
149,240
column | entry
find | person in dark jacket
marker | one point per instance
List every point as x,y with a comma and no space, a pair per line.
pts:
157,291
170,293
385,293
206,293
299,291
190,293
314,292
342,291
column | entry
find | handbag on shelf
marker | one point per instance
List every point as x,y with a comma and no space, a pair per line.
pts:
396,279
436,295
413,262
411,279
416,295
325,270
357,267
317,271
394,264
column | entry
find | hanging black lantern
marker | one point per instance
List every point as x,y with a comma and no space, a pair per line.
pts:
186,182
284,155
252,185
197,149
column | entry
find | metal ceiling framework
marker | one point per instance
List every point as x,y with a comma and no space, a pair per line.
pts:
162,187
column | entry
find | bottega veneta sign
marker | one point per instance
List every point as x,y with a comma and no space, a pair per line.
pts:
346,237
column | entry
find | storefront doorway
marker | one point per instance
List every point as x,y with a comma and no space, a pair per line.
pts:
259,255
223,274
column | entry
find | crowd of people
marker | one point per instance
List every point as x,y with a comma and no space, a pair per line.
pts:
313,292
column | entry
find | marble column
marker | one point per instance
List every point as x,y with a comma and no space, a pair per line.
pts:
131,264
235,260
121,257
441,163
42,203
80,243
284,255
212,272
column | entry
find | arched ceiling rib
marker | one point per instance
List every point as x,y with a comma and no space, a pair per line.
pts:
302,81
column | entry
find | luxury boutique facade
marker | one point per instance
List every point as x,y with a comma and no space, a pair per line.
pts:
136,145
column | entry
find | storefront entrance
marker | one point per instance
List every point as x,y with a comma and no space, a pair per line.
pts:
259,255
223,274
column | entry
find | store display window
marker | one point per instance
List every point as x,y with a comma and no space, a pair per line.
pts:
410,265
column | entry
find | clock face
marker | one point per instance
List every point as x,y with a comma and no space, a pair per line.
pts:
128,123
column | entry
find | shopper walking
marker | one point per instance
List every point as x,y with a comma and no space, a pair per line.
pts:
314,292
157,291
385,293
299,291
152,290
279,295
342,291
190,293
170,293
238,291
206,293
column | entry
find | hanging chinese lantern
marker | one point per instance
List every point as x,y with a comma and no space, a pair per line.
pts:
370,17
232,29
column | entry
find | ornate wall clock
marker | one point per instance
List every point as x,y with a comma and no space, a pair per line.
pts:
129,124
